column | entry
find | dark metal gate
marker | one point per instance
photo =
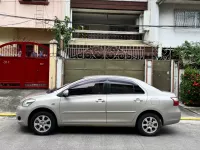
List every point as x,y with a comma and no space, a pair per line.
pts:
162,74
105,60
76,69
24,65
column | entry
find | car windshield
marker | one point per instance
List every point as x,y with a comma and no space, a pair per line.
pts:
55,89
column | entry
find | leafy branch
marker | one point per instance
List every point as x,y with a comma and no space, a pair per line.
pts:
189,53
62,30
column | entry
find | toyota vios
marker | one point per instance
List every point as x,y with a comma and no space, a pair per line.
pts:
100,101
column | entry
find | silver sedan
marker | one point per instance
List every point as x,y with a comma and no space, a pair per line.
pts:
100,101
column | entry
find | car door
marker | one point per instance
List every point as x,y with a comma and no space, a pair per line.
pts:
86,103
124,99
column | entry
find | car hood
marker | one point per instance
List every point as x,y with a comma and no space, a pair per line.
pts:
35,95
168,93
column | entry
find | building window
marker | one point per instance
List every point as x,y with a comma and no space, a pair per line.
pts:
34,2
186,18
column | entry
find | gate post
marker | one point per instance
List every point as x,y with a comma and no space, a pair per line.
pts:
148,71
52,64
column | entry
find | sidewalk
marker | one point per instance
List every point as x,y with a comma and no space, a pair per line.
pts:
195,110
10,98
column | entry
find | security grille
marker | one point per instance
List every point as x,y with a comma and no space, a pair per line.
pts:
187,18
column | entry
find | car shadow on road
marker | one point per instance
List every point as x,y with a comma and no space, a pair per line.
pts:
167,130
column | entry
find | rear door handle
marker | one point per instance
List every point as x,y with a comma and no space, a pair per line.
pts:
100,101
138,100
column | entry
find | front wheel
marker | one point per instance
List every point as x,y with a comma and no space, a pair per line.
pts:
149,124
43,123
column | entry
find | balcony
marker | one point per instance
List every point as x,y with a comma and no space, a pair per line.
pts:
106,26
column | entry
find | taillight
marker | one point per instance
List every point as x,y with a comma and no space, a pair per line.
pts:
175,100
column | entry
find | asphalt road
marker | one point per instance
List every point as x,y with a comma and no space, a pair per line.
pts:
182,136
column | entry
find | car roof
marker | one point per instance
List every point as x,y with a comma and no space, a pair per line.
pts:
108,76
113,77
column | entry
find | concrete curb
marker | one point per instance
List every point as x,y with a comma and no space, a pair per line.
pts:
188,108
10,114
191,118
7,114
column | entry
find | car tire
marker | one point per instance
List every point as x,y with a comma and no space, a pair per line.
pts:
43,123
149,124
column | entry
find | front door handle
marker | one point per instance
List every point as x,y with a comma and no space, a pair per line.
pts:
100,101
138,100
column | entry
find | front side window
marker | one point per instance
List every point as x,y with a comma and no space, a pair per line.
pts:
124,88
187,18
91,88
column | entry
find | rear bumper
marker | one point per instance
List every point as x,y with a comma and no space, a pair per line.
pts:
172,117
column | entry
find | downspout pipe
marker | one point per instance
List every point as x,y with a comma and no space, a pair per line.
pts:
159,2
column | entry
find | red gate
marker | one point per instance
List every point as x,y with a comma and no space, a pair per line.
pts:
24,65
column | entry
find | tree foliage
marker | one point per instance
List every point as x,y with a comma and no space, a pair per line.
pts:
190,87
62,29
189,53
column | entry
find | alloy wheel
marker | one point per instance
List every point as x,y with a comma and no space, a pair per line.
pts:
150,125
42,123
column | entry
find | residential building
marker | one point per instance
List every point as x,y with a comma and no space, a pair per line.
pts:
108,39
112,23
14,28
26,58
176,21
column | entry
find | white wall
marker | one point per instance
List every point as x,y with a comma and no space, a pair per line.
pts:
173,37
13,7
27,34
152,36
169,36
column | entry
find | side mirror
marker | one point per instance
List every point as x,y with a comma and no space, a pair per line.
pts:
65,93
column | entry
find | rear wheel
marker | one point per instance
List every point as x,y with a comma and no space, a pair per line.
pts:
149,124
43,123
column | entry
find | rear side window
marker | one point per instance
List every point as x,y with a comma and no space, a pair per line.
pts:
137,89
124,88
119,88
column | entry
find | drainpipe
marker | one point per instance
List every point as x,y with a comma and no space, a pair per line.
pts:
159,2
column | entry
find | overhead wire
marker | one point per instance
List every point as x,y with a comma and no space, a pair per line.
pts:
15,23
48,20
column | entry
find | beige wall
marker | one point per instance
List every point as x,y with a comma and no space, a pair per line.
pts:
13,7
34,35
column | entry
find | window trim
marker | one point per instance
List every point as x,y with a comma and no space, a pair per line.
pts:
34,2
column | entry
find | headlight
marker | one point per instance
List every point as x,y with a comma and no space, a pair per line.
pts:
28,102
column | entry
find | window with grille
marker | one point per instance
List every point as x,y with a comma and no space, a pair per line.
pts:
187,18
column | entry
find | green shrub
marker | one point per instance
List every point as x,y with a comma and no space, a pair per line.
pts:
190,87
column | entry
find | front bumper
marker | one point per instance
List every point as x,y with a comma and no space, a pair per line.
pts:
22,115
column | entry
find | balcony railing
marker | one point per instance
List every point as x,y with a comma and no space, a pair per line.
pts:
96,34
110,52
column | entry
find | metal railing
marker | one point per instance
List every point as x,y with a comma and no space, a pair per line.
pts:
110,52
95,34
